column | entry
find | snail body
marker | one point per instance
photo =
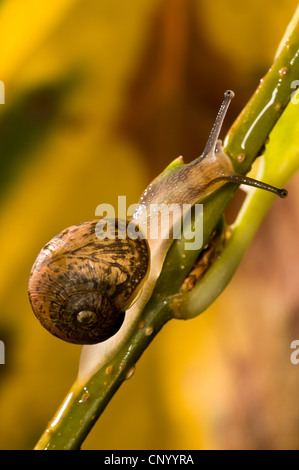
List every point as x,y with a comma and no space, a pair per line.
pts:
81,286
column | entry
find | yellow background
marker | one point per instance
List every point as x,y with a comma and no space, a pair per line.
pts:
100,96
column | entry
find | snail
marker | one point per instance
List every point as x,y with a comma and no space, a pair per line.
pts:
81,285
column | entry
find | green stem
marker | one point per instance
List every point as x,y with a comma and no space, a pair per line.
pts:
83,405
86,401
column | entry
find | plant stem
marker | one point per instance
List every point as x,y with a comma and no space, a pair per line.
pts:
83,405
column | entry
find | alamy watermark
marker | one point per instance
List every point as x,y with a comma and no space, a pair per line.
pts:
2,353
2,92
153,222
295,354
295,94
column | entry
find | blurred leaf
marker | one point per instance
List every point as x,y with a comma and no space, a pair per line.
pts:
25,123
23,26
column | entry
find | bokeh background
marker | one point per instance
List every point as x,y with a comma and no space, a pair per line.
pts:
100,96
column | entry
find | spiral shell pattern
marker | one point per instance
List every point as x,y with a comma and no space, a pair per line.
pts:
80,285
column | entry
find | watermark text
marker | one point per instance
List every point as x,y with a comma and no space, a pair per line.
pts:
2,92
295,94
2,353
152,222
295,354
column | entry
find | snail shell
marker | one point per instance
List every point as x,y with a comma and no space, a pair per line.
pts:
80,286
